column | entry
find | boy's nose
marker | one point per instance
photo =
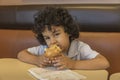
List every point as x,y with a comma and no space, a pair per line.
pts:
53,41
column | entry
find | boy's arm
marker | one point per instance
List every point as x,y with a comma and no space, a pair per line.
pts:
99,62
25,56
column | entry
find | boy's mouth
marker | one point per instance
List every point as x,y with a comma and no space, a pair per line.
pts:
59,46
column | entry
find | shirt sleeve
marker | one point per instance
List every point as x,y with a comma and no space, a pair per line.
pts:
38,50
86,51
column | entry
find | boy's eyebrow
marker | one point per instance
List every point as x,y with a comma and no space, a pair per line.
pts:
56,31
44,35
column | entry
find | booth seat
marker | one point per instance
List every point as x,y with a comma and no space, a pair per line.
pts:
107,43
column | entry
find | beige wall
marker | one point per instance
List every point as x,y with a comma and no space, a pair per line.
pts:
26,2
70,1
10,2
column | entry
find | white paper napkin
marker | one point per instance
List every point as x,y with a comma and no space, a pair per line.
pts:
51,73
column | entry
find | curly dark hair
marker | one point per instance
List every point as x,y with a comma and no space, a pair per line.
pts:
54,16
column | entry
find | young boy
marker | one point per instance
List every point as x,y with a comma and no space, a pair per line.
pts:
56,26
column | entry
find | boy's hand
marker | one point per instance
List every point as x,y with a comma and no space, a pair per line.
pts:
43,61
63,62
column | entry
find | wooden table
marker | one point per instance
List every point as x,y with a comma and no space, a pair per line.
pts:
115,76
13,69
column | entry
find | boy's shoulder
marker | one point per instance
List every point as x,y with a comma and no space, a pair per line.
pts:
78,42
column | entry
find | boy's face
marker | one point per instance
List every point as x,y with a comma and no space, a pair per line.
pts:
58,36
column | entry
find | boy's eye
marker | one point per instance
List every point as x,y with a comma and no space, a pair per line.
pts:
56,34
46,38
